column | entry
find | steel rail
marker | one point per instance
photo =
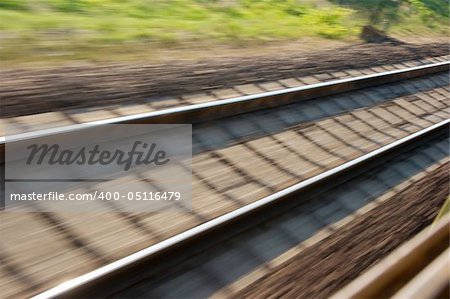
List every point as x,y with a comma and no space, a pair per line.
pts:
221,221
244,104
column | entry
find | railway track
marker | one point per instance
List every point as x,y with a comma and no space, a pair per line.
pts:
171,268
245,149
239,105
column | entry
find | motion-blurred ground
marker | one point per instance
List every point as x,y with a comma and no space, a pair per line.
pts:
27,91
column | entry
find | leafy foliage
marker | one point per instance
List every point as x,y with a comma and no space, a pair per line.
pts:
386,12
13,4
378,11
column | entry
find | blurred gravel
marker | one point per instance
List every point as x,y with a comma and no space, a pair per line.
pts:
27,91
324,268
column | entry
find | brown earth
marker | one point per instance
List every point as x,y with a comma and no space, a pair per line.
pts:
35,90
324,268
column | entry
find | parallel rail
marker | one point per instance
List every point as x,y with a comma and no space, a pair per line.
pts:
233,221
244,104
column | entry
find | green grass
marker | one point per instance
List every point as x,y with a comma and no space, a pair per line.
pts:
91,29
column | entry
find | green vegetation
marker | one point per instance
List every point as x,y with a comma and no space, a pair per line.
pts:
444,211
89,29
385,13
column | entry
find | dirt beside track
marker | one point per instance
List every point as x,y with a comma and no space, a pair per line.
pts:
28,91
329,265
